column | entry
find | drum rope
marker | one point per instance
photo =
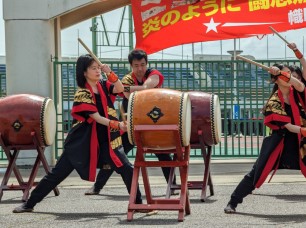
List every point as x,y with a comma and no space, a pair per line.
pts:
42,120
180,118
131,118
212,112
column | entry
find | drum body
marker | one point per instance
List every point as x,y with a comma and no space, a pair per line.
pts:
206,116
159,107
21,114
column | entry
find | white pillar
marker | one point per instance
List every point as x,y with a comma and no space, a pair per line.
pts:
29,47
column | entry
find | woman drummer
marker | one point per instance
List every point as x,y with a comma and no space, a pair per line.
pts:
280,150
94,139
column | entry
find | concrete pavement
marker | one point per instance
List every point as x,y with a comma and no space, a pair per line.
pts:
280,203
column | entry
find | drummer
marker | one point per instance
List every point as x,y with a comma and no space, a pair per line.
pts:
140,78
284,115
94,139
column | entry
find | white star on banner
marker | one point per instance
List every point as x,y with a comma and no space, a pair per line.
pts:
211,25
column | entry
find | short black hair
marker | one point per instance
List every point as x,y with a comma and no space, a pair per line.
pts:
137,54
83,62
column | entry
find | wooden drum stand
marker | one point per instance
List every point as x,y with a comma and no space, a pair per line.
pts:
206,153
181,160
12,152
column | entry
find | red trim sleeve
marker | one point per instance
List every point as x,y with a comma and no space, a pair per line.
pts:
78,117
161,77
76,110
276,118
84,108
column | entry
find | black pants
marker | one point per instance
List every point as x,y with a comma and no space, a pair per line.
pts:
244,188
104,174
62,170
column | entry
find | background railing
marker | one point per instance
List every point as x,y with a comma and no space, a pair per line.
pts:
2,94
242,89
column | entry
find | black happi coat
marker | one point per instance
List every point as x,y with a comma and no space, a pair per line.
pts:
83,143
281,148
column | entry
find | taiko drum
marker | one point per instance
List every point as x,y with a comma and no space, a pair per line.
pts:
22,114
159,107
206,117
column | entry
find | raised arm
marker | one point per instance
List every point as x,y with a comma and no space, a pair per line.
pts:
113,78
300,56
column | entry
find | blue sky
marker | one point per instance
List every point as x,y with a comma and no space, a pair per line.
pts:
270,46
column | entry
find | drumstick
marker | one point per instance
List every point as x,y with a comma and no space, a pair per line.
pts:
122,113
90,52
279,35
252,62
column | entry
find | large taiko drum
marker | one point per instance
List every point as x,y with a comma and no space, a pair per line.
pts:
159,107
206,117
22,114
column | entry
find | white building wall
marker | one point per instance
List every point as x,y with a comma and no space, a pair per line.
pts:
28,57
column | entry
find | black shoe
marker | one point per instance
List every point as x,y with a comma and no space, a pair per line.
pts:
173,192
23,208
230,209
92,191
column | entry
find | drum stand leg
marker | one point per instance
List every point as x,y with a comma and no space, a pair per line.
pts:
11,167
207,180
181,160
207,175
41,157
12,157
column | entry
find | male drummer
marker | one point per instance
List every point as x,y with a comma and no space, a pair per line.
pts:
140,78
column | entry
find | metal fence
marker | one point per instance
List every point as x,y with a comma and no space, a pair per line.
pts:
242,89
2,94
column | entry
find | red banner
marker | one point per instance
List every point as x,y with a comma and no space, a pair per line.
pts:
161,24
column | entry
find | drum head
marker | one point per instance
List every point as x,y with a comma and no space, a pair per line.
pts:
186,117
216,119
48,121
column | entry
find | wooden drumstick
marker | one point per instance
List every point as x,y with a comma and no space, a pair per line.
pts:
279,35
122,113
252,62
90,52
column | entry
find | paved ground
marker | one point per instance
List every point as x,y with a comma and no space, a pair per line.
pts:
280,203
